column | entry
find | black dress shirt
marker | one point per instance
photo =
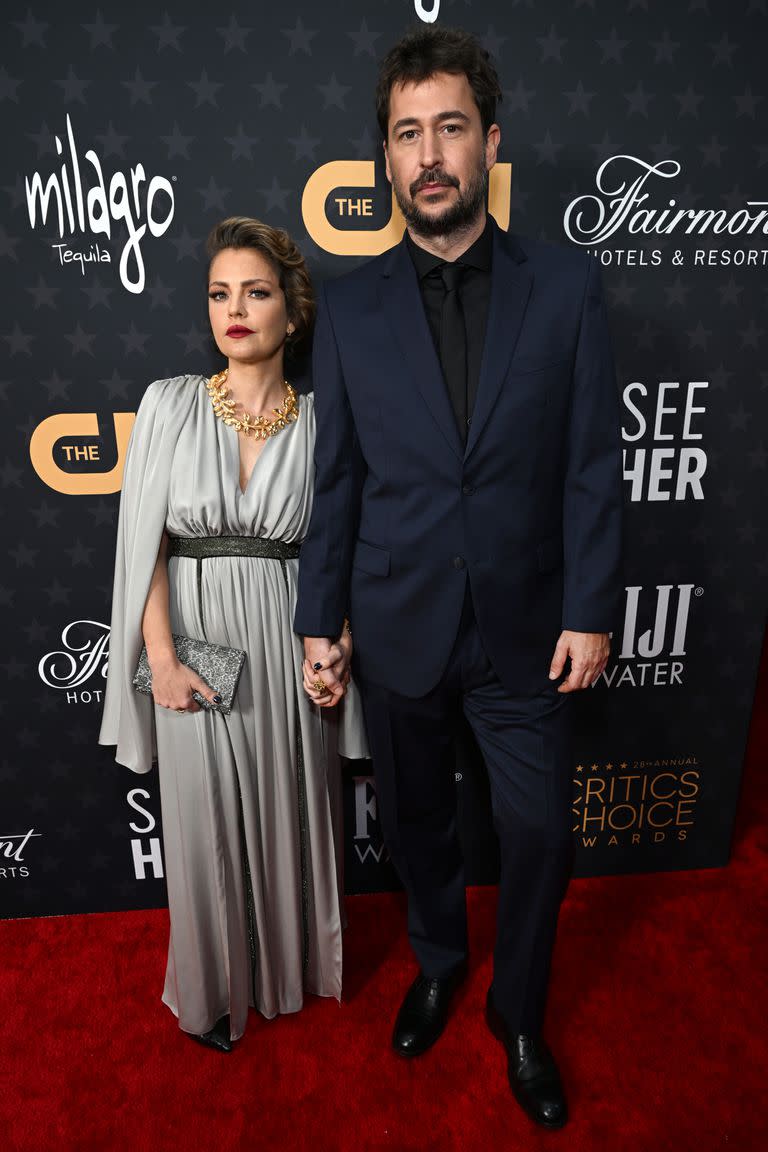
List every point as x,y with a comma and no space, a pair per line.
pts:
475,295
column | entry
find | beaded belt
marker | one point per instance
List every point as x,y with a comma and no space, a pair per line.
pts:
201,547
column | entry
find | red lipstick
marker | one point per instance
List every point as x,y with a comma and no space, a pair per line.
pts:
237,331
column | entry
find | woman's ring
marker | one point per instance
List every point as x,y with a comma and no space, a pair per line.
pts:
319,685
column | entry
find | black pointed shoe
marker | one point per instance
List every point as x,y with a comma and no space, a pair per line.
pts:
218,1037
533,1075
424,1012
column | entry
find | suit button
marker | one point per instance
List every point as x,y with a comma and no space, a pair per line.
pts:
468,490
458,561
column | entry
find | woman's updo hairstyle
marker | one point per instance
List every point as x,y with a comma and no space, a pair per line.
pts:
279,248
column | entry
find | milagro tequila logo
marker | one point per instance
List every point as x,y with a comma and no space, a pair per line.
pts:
126,199
84,655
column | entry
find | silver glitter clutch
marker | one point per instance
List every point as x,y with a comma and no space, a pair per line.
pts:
219,666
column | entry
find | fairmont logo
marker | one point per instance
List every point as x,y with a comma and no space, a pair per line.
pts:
84,653
621,201
81,201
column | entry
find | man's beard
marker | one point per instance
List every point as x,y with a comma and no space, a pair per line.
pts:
458,217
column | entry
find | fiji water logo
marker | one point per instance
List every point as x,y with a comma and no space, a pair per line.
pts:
84,654
80,200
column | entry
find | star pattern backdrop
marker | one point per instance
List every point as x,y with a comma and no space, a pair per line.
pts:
193,112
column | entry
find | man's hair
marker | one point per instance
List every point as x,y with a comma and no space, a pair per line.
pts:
436,48
280,250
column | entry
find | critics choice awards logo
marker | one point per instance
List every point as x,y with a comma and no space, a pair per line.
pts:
82,660
636,802
622,204
81,201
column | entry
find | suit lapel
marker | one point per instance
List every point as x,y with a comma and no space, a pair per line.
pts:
511,281
402,305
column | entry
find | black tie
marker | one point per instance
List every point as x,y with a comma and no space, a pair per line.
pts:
453,345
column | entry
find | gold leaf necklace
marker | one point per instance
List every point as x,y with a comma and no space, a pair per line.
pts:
261,427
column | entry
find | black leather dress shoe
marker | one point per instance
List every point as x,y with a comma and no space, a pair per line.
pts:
218,1037
424,1012
533,1075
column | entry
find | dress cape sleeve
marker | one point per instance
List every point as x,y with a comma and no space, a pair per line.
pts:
128,717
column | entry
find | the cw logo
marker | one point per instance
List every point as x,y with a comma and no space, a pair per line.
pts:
56,431
361,174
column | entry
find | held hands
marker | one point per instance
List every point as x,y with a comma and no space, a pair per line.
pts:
326,662
589,655
173,684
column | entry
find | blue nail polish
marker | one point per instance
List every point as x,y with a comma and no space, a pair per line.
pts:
218,699
317,666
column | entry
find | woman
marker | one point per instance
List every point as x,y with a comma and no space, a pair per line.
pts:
216,499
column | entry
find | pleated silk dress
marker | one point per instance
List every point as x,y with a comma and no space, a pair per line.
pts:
251,803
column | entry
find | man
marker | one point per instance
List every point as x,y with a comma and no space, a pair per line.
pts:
467,514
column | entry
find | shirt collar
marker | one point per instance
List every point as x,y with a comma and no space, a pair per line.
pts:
479,255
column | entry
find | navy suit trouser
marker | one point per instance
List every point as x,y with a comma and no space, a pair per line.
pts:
525,744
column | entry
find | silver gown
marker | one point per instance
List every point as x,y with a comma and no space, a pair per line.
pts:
251,802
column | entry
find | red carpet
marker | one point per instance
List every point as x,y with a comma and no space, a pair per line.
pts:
658,1016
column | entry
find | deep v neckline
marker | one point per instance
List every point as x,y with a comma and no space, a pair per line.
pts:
240,491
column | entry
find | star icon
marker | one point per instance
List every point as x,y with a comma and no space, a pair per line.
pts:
100,33
140,89
134,341
364,40
612,48
689,102
185,245
242,145
213,196
665,49
18,341
160,293
517,99
333,93
304,145
81,341
97,293
177,144
276,196
551,46
167,33
111,142
547,149
746,103
300,38
363,147
270,92
56,387
638,100
43,293
723,51
116,386
713,151
194,340
579,100
8,86
32,31
205,89
234,36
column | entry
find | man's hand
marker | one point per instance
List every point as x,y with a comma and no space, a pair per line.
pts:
589,655
326,661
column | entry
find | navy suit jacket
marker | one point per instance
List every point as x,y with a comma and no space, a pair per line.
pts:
404,515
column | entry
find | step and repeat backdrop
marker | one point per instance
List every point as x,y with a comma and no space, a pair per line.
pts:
631,130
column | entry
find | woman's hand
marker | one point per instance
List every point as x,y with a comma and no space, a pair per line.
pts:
332,673
173,684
